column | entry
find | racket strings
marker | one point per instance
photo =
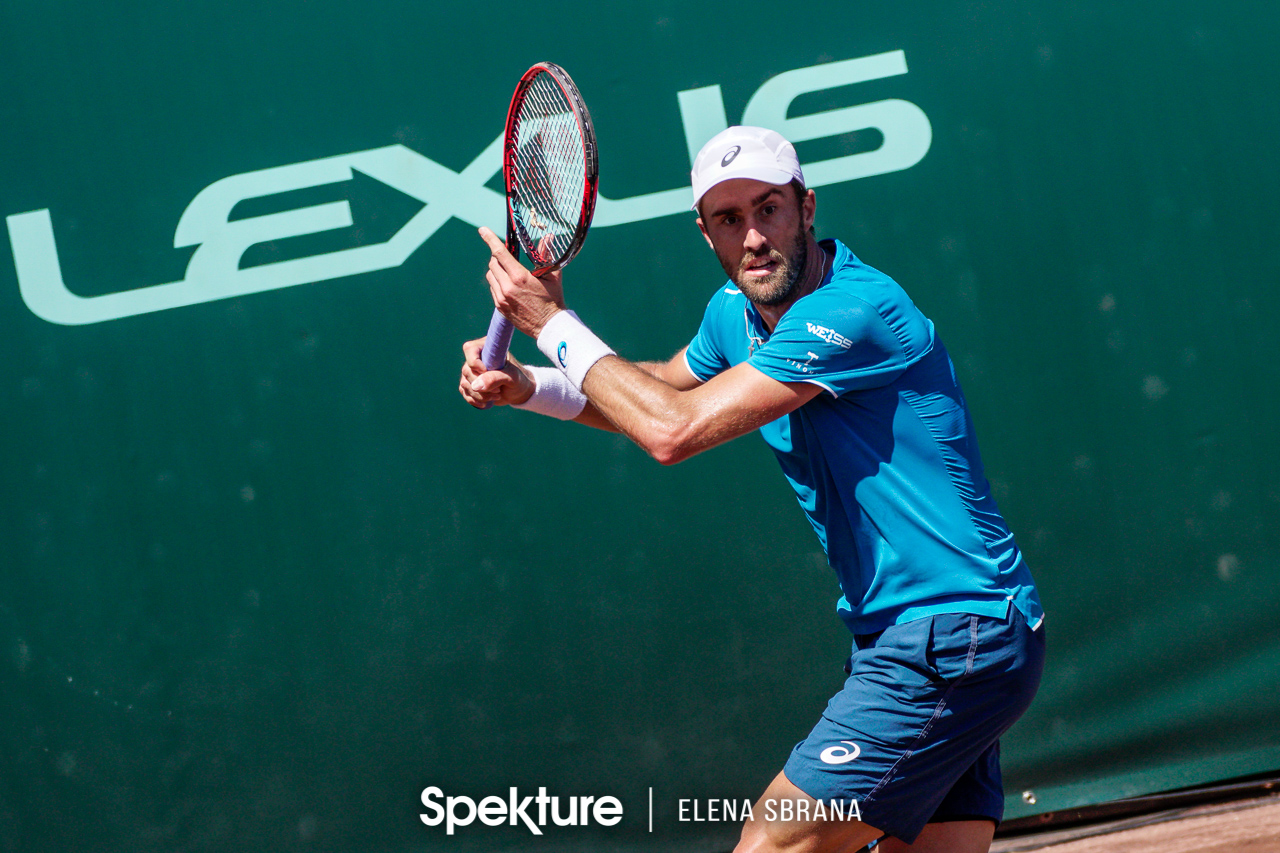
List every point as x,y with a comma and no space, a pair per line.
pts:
549,175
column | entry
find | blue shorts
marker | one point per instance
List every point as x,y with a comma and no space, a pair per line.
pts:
914,735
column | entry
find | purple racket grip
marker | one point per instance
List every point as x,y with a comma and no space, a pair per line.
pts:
496,343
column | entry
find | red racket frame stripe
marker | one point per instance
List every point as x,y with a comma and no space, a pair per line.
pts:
498,338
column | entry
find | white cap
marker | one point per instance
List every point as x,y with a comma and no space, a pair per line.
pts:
744,152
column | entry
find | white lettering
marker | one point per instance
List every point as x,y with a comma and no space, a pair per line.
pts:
429,796
213,273
810,810
716,811
607,811
831,336
904,126
214,269
492,811
495,811
452,818
543,800
571,819
518,811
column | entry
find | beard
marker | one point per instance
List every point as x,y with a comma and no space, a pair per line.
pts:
778,286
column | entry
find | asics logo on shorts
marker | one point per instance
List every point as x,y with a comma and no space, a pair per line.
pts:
840,755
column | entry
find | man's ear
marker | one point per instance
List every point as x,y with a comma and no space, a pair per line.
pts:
705,235
808,209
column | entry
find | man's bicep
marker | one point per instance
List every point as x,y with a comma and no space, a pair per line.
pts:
674,372
740,400
672,425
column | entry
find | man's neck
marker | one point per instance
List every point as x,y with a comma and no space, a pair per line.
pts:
815,268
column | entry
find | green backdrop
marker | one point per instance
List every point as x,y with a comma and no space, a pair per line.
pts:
266,577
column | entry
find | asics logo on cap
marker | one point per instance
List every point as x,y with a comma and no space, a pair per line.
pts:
756,153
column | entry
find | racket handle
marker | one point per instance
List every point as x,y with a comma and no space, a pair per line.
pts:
496,343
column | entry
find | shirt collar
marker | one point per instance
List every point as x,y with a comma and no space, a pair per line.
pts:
757,334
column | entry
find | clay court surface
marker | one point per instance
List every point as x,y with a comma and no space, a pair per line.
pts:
1251,826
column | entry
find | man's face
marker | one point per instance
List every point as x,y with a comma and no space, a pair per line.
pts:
757,230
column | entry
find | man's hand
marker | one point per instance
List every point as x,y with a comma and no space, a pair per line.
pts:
527,301
506,387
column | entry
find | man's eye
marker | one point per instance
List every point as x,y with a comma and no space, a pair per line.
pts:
770,209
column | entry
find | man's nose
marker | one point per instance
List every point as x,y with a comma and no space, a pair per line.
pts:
754,240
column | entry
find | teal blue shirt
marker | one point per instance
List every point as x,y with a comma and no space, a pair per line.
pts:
883,460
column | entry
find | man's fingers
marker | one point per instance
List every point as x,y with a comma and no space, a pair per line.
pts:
498,248
477,397
492,240
501,255
464,388
489,382
478,386
495,286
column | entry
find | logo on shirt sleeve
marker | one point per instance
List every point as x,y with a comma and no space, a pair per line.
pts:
804,366
831,336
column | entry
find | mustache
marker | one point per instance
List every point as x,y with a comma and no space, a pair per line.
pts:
772,254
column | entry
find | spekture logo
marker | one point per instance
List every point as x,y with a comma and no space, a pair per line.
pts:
496,811
728,157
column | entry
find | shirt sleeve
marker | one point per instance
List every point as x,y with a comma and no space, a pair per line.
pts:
844,343
705,354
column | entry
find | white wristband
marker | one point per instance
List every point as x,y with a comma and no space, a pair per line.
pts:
571,346
553,395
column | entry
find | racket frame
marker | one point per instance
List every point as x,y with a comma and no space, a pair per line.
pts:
591,162
498,338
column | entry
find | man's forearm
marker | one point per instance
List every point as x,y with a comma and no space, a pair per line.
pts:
591,416
674,415
636,402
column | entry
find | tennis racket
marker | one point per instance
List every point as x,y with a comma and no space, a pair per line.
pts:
550,170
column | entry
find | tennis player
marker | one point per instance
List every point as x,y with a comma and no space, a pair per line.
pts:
851,387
